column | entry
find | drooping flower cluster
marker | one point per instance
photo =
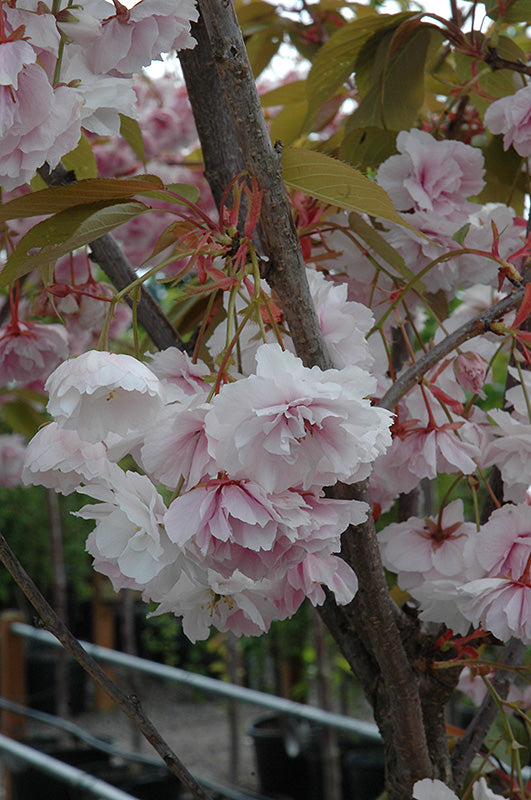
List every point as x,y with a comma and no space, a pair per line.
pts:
250,533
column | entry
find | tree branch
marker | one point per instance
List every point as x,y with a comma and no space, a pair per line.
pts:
287,271
108,253
129,706
474,327
469,744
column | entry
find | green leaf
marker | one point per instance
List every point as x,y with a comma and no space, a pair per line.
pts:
261,47
392,76
381,247
336,59
294,92
130,131
81,160
368,147
514,10
22,417
460,235
60,198
336,183
288,123
54,237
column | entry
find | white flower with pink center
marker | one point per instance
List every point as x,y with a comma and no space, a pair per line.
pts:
500,600
420,550
293,426
129,532
308,578
98,393
29,351
58,459
12,449
432,176
236,604
227,524
511,116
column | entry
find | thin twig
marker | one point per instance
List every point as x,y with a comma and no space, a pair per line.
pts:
109,255
474,327
469,744
129,705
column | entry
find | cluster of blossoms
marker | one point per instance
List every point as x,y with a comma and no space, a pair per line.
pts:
72,68
249,533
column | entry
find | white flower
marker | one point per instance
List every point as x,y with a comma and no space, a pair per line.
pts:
129,533
99,393
58,459
292,426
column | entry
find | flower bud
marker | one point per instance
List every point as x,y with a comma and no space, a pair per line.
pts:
470,370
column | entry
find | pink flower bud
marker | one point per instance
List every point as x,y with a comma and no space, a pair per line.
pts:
470,370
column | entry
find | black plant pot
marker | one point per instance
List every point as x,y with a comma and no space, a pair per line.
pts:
289,761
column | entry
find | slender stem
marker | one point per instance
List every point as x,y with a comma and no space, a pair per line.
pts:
129,706
474,327
469,744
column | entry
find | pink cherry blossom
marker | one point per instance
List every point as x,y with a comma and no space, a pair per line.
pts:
58,459
420,550
133,38
500,605
38,123
97,393
504,545
293,426
29,351
432,176
227,524
236,604
177,371
511,451
129,532
511,116
470,370
12,449
176,446
13,56
307,580
344,323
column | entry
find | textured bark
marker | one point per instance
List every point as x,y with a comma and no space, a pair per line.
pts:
367,630
285,271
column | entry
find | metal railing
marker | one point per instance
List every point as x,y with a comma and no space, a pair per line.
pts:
58,769
221,688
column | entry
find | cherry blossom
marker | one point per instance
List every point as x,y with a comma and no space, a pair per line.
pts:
289,425
97,393
420,550
511,116
236,604
129,532
175,447
30,351
58,459
432,176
